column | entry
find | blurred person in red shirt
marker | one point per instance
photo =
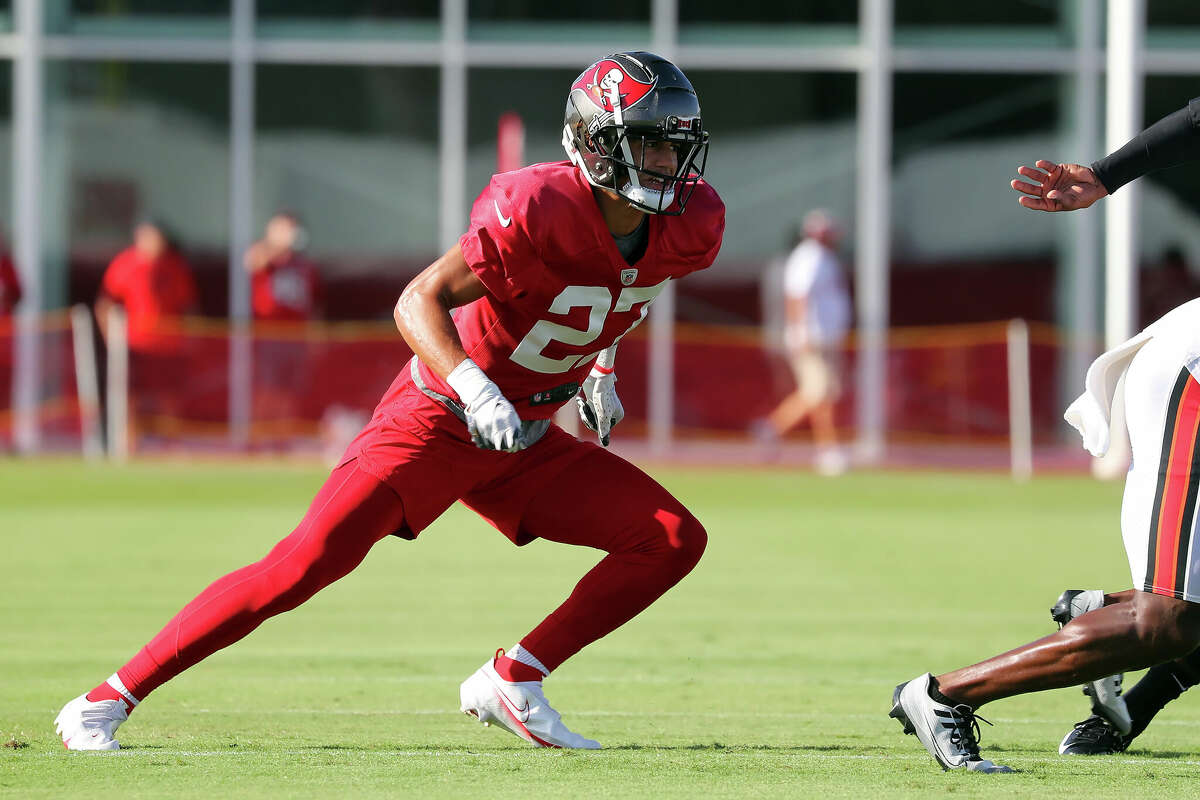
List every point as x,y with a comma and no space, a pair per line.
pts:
285,292
153,283
284,284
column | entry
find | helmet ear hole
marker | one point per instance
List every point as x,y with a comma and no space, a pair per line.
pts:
603,142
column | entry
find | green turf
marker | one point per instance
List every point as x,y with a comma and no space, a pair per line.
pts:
767,672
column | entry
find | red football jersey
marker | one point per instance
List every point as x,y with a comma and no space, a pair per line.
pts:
155,294
558,290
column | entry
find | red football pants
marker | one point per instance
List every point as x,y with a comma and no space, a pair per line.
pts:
651,539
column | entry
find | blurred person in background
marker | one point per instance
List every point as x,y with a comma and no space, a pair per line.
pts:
817,320
153,283
284,284
1166,286
1156,623
10,283
285,292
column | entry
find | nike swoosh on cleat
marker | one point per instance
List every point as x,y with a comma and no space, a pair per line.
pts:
504,221
522,714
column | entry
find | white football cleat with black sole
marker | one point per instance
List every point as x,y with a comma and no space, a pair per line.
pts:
949,733
1105,693
518,707
90,725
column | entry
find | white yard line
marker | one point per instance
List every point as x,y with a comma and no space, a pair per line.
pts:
1020,760
421,712
434,712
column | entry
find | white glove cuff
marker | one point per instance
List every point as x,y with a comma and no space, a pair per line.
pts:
600,372
471,384
606,361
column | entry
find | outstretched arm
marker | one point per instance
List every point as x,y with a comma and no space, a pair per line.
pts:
1172,140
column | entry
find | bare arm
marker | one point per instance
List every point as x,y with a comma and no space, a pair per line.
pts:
422,313
258,256
796,310
423,317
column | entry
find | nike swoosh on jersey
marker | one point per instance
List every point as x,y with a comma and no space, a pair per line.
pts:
504,221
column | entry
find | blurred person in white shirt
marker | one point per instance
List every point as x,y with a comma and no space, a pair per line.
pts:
817,322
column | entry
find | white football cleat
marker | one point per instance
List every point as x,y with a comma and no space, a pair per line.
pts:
949,733
87,725
1105,692
518,707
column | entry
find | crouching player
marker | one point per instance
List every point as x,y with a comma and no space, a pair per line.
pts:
1157,621
559,262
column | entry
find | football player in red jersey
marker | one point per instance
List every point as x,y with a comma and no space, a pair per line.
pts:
559,262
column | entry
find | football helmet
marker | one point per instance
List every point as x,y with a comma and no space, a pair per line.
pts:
615,108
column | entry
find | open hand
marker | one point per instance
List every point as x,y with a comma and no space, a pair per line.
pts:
1058,187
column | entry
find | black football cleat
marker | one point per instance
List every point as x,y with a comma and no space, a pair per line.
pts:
1093,737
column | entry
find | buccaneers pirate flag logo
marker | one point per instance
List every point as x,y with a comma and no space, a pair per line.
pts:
607,80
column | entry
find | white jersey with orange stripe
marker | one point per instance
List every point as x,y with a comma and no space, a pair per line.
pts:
1162,414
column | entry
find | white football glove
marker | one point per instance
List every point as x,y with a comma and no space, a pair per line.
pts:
599,407
491,420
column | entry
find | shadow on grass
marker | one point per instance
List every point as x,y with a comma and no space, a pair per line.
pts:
1156,754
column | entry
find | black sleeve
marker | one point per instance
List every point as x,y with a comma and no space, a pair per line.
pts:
1172,140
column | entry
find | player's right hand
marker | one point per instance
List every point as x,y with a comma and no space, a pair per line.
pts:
491,420
494,425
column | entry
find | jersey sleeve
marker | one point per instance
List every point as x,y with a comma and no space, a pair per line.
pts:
497,245
698,241
1172,140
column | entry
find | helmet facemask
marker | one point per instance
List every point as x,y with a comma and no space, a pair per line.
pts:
661,110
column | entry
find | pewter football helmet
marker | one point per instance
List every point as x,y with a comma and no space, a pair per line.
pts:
628,96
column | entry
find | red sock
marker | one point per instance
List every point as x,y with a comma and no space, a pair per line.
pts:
515,671
105,691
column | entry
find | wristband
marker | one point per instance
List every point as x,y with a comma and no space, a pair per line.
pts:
470,383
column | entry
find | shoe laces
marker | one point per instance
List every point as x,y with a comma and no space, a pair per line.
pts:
964,729
1097,730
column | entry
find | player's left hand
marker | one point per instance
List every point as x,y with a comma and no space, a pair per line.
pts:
1058,187
599,407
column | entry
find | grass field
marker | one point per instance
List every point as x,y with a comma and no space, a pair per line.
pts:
767,673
